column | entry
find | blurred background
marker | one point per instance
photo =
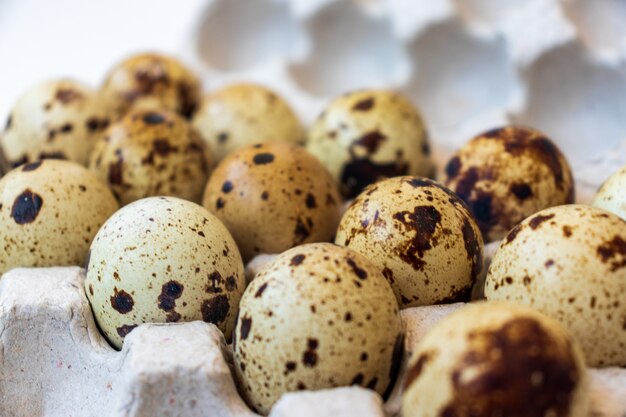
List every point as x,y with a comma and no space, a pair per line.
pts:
557,65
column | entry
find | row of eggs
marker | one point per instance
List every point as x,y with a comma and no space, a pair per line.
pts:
320,315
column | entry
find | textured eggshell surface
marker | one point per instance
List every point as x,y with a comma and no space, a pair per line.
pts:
570,263
272,197
612,195
245,114
506,174
420,235
49,213
59,119
371,134
151,81
163,259
496,359
150,153
319,316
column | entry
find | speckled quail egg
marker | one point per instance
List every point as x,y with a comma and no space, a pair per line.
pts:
420,235
150,80
58,119
507,174
367,135
49,213
272,197
570,263
245,114
319,316
163,259
612,195
496,359
149,153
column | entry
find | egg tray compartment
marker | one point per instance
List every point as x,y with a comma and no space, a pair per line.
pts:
54,362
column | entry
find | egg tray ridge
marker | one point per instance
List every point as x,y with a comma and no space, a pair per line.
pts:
54,362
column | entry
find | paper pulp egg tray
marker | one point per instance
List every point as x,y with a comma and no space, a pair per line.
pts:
470,65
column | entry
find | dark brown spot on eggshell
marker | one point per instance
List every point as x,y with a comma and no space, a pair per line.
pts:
309,357
67,95
310,201
222,137
231,283
524,372
32,166
123,331
297,260
613,252
115,169
567,231
358,271
360,172
423,223
472,248
227,187
513,234
301,232
536,221
246,325
456,296
170,291
122,302
95,124
26,207
215,310
416,369
153,118
260,291
263,158
453,167
364,105
371,141
162,147
521,190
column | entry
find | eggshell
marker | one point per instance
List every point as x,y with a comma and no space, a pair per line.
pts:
245,114
272,197
506,174
319,316
58,119
569,262
367,135
149,153
150,81
163,259
49,213
612,194
496,359
420,235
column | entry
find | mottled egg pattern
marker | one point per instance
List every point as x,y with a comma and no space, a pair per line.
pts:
367,135
163,259
420,235
49,213
272,197
570,263
612,195
58,119
151,81
506,174
245,114
319,316
149,153
496,359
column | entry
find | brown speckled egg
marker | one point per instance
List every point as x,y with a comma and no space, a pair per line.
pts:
420,235
245,114
149,153
612,195
496,359
151,80
367,135
58,119
163,259
49,213
507,174
272,197
570,263
319,316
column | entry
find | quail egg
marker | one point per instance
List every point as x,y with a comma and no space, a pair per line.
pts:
272,197
367,135
163,259
420,235
612,195
150,153
49,213
245,114
319,316
569,262
507,174
151,81
496,359
58,119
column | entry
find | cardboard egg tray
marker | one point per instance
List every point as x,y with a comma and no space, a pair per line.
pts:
470,65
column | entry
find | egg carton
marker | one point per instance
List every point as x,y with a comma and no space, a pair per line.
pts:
470,65
55,362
